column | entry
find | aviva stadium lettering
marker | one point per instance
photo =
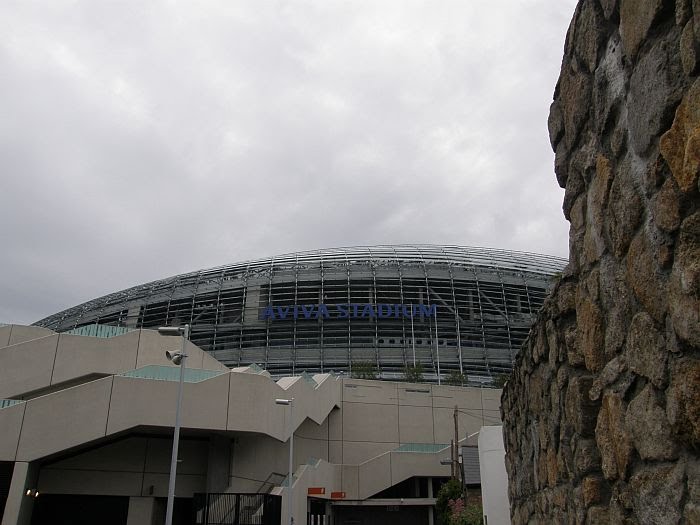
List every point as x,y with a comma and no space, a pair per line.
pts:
348,311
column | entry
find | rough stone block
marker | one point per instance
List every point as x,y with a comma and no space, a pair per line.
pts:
608,375
644,279
618,140
609,7
683,401
574,190
691,512
591,331
581,411
587,457
683,12
684,286
552,467
599,190
692,471
617,302
648,427
553,344
617,511
657,492
574,95
612,438
617,319
590,34
565,460
608,87
635,21
561,166
555,124
690,52
666,207
566,298
680,145
646,350
592,490
624,211
573,349
655,89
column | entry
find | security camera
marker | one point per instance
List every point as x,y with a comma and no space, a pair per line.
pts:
175,357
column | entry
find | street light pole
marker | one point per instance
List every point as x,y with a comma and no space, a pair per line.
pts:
437,348
178,358
457,470
413,338
290,402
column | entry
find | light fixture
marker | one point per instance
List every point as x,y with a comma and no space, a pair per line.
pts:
175,357
172,330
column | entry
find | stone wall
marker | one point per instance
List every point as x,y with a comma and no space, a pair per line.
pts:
602,413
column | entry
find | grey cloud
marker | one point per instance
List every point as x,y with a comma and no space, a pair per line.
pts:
143,139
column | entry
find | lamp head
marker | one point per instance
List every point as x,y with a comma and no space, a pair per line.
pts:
170,330
175,357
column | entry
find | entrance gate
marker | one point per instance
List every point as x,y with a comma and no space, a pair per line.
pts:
237,509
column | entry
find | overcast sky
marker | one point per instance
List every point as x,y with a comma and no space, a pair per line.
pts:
141,139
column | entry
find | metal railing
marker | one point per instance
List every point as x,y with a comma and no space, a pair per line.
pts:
237,509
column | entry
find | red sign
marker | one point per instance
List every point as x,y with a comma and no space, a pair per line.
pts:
337,495
316,491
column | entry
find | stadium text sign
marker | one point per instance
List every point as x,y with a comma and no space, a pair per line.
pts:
347,311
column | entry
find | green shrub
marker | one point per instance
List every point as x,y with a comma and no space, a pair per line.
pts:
455,378
364,370
413,374
500,380
461,514
451,509
451,490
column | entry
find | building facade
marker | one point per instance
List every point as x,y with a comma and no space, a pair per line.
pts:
87,431
449,309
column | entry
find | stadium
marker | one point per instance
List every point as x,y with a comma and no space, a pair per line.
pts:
449,309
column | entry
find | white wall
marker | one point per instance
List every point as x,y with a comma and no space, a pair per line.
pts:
494,480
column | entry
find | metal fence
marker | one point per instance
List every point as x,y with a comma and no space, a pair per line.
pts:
237,509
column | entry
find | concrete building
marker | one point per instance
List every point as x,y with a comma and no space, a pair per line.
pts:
86,431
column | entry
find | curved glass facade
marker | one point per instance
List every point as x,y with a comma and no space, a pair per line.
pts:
448,307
